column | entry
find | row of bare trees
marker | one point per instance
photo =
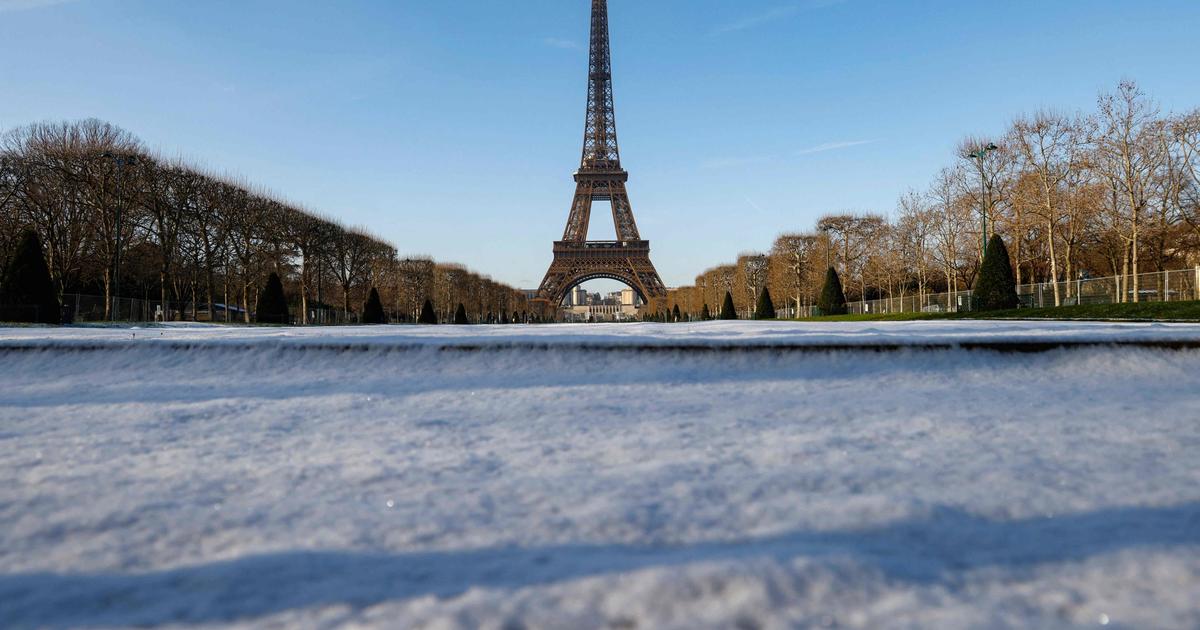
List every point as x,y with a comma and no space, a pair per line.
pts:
1110,193
105,207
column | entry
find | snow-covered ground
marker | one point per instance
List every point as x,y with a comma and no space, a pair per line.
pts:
153,485
697,334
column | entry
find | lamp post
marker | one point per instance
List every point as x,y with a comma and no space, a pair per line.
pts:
979,156
121,162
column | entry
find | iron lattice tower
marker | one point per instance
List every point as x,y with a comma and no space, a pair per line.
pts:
601,178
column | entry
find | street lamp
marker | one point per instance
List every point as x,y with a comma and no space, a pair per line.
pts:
121,162
979,156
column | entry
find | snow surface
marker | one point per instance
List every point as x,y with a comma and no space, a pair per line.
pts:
148,485
695,334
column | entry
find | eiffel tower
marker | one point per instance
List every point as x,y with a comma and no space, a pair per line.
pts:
601,178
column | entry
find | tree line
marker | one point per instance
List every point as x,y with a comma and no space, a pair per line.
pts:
1112,192
104,207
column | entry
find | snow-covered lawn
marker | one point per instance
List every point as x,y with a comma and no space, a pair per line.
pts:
146,484
698,334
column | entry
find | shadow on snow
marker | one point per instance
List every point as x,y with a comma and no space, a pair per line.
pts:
937,549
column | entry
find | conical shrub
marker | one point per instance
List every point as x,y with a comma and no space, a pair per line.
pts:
833,298
705,314
373,309
996,288
765,309
460,315
28,293
272,307
428,315
675,314
728,310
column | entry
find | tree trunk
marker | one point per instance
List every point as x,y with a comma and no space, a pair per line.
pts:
1070,253
1053,263
1018,242
162,294
1124,283
212,313
303,304
108,295
246,302
1134,260
950,289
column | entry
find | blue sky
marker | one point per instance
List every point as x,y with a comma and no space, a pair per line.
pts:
452,128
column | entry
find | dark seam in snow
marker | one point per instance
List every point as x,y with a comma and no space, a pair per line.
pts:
1007,347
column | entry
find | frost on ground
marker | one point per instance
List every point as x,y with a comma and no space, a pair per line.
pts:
565,489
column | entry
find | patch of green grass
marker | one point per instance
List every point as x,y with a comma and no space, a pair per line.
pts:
1143,311
889,317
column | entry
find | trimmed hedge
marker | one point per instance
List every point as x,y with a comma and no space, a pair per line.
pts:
28,294
996,288
428,315
373,309
272,306
765,309
833,297
728,310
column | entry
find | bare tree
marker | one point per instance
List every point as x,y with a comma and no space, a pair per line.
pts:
415,277
349,260
751,278
1051,149
1129,156
169,194
796,259
313,240
914,234
989,189
951,225
1186,130
49,194
10,216
852,236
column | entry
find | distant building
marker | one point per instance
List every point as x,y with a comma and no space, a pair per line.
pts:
577,297
617,306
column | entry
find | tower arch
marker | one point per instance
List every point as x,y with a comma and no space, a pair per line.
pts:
580,280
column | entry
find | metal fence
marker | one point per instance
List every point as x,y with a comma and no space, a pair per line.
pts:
91,308
80,308
1162,286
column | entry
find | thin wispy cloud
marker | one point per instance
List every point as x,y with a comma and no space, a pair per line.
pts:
718,163
734,162
24,5
774,14
756,207
564,44
834,146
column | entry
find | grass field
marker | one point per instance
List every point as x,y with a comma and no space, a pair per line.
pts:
1144,311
